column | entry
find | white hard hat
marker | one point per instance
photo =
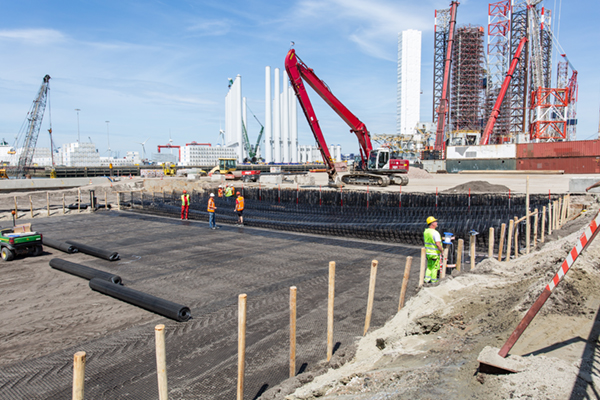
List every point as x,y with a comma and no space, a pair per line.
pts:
212,195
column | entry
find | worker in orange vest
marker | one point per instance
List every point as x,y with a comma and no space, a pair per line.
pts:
239,208
211,212
220,192
185,205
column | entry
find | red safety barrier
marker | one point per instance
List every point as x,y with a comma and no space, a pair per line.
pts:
585,239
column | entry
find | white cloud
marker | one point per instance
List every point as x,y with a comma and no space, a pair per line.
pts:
33,36
376,22
211,28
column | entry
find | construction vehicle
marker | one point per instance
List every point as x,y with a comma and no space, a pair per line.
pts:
19,240
228,168
169,169
379,167
28,139
3,174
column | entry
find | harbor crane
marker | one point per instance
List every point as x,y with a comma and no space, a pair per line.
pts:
444,101
27,139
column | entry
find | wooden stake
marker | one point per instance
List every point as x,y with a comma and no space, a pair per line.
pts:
405,282
555,211
161,362
550,220
516,239
241,344
459,253
78,375
330,298
511,225
527,225
501,243
293,331
423,266
64,209
472,250
560,212
535,228
48,202
372,279
105,200
444,264
543,224
16,209
78,200
491,243
31,206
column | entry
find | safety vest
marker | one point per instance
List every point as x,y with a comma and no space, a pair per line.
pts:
239,204
211,205
185,199
220,192
431,248
229,192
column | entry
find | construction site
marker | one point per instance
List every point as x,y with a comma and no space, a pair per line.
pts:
305,281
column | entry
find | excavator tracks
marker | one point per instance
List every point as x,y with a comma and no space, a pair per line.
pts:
374,179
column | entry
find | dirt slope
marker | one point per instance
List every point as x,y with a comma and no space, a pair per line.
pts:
429,350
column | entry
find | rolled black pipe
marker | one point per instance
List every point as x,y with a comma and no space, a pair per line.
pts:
85,272
62,246
93,251
146,301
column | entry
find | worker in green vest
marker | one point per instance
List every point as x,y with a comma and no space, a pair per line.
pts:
433,250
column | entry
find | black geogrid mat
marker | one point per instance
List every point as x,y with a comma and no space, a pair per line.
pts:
381,216
207,270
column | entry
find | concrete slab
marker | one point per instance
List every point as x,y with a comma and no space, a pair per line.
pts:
14,185
579,184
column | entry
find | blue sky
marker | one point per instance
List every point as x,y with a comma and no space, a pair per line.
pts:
157,68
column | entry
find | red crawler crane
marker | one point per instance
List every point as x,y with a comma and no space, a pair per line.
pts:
379,167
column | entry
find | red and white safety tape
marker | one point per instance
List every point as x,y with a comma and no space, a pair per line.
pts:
583,240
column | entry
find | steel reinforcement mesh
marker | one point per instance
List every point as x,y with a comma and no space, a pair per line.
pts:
380,216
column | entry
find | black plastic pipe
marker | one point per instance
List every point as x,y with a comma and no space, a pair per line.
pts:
96,252
85,272
146,301
58,245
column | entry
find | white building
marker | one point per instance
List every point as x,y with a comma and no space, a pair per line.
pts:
132,158
409,81
310,154
79,155
194,154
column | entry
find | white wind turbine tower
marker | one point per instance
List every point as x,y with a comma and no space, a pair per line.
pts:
144,148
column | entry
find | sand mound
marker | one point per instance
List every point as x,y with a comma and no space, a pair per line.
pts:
477,187
418,173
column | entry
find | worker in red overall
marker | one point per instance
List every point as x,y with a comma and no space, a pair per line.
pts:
239,208
185,205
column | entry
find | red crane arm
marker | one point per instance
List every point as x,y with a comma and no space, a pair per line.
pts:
297,72
443,107
489,127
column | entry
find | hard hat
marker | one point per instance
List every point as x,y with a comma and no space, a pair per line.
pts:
212,195
238,193
430,220
185,191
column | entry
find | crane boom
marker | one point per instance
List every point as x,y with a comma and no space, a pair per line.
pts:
298,71
489,127
35,116
443,107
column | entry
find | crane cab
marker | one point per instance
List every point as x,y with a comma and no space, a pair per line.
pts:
386,159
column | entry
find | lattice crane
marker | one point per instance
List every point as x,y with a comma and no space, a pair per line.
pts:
27,139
